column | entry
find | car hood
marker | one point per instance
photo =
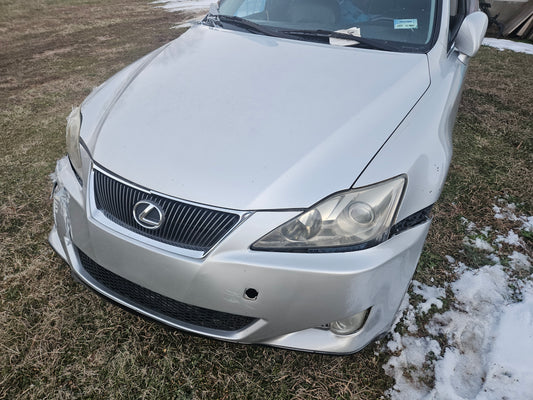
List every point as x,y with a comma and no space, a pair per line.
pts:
250,122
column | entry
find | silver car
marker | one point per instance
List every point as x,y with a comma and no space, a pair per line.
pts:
268,176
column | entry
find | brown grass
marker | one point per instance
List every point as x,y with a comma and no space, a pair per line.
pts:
58,340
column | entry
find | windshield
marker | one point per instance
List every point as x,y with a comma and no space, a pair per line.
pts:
401,24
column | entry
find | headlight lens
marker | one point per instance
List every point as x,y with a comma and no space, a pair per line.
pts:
73,138
350,220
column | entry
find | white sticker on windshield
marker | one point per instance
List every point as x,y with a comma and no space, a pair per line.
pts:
406,23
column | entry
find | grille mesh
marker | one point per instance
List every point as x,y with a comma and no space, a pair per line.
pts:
185,225
163,305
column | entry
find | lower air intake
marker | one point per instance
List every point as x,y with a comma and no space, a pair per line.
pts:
155,302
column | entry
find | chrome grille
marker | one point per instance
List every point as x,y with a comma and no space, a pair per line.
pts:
155,302
186,225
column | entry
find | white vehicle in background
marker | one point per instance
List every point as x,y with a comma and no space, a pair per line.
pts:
268,176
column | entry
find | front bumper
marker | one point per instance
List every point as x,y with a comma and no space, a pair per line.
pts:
297,294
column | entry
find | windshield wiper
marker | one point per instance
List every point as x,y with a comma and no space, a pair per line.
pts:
215,19
323,34
221,19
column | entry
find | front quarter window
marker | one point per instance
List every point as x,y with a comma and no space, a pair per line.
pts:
402,25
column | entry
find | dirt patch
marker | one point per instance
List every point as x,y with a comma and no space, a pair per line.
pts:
51,53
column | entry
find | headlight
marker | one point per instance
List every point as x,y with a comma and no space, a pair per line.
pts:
350,220
73,138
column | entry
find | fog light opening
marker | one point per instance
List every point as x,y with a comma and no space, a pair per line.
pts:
349,325
251,294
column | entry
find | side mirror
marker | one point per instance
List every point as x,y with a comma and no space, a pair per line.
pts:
471,33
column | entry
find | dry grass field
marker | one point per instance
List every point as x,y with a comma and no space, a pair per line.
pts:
59,340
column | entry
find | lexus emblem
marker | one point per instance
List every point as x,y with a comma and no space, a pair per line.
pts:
147,214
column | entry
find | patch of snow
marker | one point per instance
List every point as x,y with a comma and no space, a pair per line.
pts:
406,367
404,305
478,243
184,5
406,314
519,261
479,286
494,258
504,213
527,224
488,330
430,294
504,44
410,320
482,244
497,211
470,226
485,231
510,368
511,238
461,267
